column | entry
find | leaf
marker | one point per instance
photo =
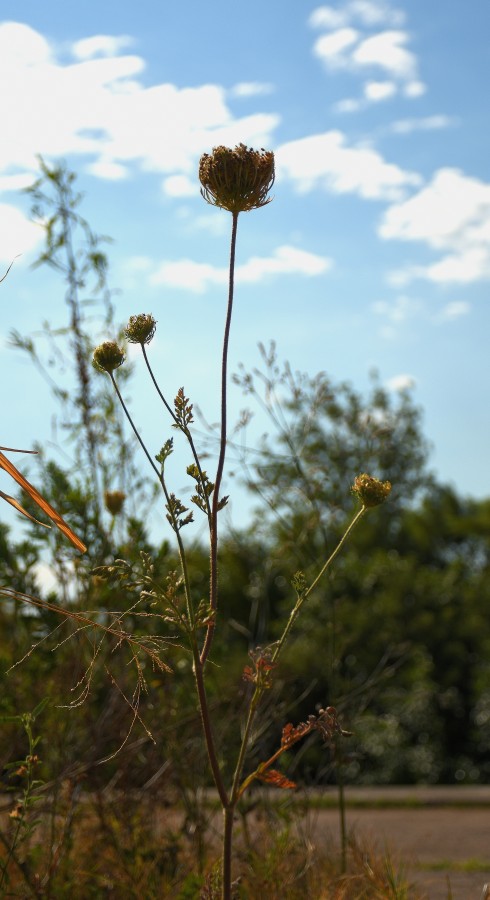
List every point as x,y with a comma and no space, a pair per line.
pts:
41,502
272,776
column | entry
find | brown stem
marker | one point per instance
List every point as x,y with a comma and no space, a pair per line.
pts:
208,732
229,817
213,537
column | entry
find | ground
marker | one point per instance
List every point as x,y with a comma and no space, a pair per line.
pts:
439,833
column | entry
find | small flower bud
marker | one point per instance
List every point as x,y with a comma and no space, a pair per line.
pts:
107,357
114,501
371,491
140,329
237,180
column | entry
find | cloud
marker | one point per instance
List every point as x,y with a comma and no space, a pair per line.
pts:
96,105
366,12
452,215
398,310
386,51
251,89
428,123
379,90
100,45
187,274
454,310
359,51
402,382
180,186
19,236
326,161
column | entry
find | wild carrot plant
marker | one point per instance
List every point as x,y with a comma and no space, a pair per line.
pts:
237,180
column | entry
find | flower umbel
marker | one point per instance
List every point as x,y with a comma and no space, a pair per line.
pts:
108,356
140,329
237,180
114,501
371,491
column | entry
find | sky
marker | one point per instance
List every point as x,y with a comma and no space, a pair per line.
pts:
375,252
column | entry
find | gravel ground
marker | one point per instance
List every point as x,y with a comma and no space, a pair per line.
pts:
441,830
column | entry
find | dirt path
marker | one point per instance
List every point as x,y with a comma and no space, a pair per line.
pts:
438,833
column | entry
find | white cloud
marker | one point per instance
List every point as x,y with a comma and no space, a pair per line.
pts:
349,105
326,161
386,50
251,89
367,12
180,186
198,277
287,260
96,106
402,382
350,44
100,45
379,90
452,215
397,310
18,235
414,89
110,171
454,310
428,123
331,47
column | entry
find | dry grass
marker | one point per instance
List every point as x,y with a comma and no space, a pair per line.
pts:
130,847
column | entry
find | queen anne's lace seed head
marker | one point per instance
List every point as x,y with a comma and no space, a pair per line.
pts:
108,356
140,329
237,180
371,491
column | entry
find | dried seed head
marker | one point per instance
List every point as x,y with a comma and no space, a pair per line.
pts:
237,180
108,356
371,491
114,501
140,329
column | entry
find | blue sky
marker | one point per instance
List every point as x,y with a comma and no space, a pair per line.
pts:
376,249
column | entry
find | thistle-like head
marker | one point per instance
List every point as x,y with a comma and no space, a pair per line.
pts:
237,180
370,491
140,329
107,357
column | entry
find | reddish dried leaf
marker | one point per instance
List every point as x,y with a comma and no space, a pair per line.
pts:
272,776
290,734
41,502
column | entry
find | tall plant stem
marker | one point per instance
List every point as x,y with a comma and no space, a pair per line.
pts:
207,728
213,539
303,597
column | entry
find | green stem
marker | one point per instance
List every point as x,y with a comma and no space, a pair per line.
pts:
213,539
304,596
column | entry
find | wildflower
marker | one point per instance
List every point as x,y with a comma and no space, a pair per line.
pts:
107,357
237,180
114,501
371,491
140,329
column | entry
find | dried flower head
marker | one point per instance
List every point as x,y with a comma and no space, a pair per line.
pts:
237,180
371,491
140,329
108,356
114,501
